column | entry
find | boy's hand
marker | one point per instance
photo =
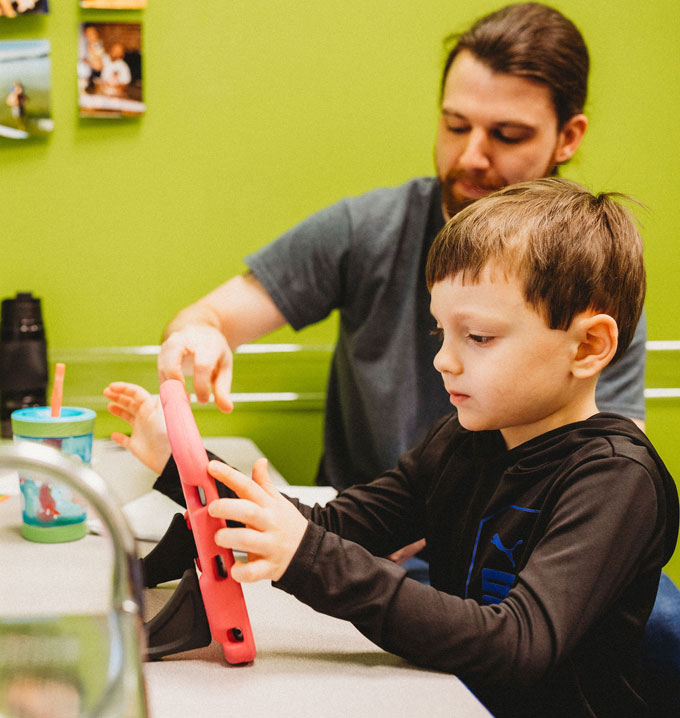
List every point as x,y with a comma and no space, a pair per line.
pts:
203,351
404,554
273,526
149,438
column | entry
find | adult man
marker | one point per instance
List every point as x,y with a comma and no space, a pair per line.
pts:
513,91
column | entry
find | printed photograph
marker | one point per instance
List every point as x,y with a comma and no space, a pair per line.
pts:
110,70
15,8
24,88
113,4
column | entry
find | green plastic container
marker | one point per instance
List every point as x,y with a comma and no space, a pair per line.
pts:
51,514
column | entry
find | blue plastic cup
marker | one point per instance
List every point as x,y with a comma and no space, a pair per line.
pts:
50,511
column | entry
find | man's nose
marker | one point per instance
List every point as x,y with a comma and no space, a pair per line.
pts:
475,155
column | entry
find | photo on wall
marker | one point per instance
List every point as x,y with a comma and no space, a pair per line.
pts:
16,8
110,70
113,4
25,89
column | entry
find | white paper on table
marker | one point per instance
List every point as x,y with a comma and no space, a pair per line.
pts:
150,515
9,483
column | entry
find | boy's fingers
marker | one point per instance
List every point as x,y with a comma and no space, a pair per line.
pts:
121,439
255,570
121,403
240,539
132,391
244,487
261,477
121,413
245,512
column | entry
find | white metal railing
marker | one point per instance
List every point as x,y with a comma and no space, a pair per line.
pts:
663,346
663,392
130,353
143,350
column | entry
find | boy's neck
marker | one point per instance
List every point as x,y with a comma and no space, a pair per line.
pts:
574,411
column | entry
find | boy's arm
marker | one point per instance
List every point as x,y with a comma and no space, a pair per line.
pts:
381,516
603,530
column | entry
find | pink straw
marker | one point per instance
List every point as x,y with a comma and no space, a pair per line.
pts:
57,389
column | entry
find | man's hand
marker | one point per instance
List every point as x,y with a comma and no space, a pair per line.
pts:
143,412
273,526
206,350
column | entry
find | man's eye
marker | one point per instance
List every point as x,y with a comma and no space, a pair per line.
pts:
509,139
458,129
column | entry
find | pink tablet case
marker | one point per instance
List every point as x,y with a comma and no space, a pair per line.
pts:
222,596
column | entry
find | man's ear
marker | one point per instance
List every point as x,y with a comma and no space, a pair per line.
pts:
569,138
598,337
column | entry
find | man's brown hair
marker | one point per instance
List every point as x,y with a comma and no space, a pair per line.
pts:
571,250
533,41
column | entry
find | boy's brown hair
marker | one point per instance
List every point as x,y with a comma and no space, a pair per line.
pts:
571,250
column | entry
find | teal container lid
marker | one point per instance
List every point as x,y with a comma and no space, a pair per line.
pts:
37,422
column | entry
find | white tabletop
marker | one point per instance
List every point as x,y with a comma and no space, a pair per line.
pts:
307,664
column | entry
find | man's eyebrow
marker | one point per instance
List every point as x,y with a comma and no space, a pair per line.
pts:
516,124
453,113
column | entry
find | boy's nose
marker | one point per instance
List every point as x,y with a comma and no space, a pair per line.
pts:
446,362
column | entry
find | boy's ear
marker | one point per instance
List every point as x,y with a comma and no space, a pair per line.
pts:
598,337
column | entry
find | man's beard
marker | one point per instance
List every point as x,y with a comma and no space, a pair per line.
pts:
451,205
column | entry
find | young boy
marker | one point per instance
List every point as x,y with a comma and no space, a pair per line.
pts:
547,523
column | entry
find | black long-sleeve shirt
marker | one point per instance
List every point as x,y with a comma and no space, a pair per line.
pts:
544,562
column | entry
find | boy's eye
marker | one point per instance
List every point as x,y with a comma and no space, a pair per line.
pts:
458,129
479,339
438,332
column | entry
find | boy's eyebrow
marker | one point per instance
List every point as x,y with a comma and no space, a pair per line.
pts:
463,315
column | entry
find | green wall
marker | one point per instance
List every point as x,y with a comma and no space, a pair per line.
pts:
262,111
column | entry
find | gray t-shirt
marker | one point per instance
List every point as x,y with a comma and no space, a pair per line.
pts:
366,257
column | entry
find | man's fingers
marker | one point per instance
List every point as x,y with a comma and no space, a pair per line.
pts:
170,359
201,351
203,372
222,388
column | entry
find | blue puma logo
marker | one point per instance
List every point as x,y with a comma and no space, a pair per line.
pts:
496,541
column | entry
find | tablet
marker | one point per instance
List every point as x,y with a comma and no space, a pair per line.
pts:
222,596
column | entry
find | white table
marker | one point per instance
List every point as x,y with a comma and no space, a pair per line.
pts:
307,664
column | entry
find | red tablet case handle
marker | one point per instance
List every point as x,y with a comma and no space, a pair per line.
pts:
222,596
